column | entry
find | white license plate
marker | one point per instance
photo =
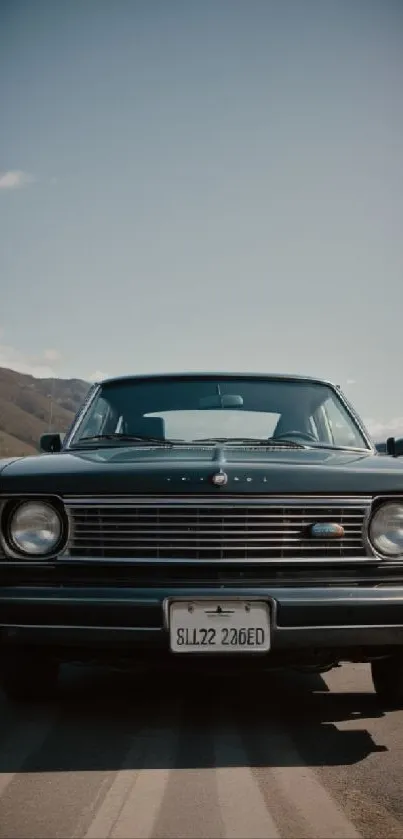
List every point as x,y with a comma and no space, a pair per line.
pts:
219,626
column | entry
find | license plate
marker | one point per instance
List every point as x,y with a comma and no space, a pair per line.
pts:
219,626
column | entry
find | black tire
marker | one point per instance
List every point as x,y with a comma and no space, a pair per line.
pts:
28,677
387,678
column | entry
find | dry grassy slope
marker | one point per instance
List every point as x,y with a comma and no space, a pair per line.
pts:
25,404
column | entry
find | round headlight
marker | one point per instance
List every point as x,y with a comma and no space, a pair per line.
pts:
35,528
386,530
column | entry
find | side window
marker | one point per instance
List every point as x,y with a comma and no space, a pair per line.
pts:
340,426
103,418
313,428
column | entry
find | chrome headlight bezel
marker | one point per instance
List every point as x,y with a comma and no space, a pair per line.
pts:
53,510
381,543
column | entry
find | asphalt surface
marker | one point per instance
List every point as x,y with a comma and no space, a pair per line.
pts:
148,756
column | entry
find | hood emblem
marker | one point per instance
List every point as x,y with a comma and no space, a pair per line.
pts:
327,530
219,479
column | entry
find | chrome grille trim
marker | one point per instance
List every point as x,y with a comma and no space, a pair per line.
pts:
222,500
214,529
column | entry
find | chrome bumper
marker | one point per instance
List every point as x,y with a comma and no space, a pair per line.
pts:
136,618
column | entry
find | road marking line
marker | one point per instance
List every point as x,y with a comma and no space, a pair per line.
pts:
131,806
242,805
301,786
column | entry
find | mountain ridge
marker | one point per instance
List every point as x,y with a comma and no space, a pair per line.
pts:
30,406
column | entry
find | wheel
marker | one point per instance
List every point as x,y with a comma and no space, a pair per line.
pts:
27,676
387,677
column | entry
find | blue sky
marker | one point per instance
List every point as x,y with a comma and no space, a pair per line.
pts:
204,185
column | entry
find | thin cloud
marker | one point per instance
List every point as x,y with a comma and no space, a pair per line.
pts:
33,365
97,376
15,179
52,355
381,429
351,382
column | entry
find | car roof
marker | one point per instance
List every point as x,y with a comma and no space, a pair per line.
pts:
214,374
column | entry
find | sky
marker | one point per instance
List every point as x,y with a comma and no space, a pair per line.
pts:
212,185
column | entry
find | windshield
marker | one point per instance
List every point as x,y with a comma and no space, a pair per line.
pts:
193,409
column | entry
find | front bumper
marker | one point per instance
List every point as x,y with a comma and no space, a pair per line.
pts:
135,619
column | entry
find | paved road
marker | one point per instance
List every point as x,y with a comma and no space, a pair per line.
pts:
291,756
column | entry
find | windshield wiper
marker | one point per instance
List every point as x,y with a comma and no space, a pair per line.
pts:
257,441
126,438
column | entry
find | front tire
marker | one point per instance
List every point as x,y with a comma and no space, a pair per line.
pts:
387,678
28,677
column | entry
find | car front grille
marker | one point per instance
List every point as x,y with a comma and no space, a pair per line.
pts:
230,529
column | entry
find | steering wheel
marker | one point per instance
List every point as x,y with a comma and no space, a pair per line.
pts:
305,435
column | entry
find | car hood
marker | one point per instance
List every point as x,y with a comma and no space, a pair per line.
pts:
156,470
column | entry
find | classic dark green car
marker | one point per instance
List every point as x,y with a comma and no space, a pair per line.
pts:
204,520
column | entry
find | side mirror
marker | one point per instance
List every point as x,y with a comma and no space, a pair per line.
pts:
50,442
394,446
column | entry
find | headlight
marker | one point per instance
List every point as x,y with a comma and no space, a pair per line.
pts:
386,530
35,528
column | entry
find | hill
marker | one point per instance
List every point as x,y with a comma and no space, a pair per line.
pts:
31,406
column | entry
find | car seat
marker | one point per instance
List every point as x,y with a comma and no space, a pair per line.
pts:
147,426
